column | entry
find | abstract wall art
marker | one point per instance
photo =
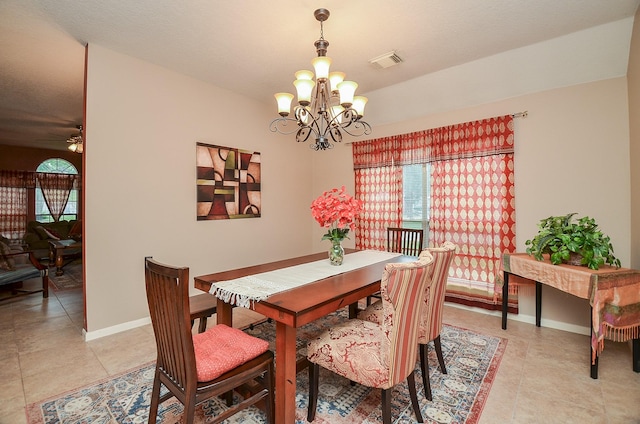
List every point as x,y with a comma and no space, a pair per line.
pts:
228,183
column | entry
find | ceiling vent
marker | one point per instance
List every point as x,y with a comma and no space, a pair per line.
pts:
386,60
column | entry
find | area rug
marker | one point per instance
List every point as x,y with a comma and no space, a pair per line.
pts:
472,360
71,279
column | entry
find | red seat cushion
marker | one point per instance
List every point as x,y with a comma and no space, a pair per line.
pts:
222,348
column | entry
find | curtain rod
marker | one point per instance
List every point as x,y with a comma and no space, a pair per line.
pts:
523,114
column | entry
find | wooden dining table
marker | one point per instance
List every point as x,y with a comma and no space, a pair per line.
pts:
299,306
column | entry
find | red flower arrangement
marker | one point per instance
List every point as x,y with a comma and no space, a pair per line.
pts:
336,210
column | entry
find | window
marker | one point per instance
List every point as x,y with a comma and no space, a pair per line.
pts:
416,194
56,166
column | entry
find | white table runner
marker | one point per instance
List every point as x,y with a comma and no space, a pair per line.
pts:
254,288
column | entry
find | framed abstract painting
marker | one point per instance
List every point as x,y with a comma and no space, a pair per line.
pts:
228,183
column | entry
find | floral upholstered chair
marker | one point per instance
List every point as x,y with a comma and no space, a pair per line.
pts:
431,323
378,355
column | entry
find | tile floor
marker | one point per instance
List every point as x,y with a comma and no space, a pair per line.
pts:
543,377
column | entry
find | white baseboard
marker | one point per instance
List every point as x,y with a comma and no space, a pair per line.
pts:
92,335
529,319
558,325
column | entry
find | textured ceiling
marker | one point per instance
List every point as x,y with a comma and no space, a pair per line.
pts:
254,47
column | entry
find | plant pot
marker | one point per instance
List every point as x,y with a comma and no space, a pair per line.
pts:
575,259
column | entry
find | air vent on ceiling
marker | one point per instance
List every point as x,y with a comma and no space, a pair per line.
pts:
386,60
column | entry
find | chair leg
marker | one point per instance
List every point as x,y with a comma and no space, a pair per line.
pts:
270,384
314,370
386,406
155,399
45,286
411,382
228,398
424,367
189,413
438,345
202,327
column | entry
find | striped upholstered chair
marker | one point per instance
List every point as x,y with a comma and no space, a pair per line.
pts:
431,324
378,355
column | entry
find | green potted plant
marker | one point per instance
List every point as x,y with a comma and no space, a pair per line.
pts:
568,241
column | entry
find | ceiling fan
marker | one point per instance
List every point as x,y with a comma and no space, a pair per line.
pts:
76,141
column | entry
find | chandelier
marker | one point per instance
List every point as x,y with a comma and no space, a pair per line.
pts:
326,107
76,141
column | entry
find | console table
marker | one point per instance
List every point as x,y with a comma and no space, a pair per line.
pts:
613,293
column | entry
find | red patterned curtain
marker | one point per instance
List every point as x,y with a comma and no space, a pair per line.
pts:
55,190
13,202
472,195
380,191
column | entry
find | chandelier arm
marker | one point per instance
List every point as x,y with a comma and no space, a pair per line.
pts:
336,135
278,124
303,134
357,128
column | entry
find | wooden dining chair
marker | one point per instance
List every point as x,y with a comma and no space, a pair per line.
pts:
407,241
379,355
431,321
197,367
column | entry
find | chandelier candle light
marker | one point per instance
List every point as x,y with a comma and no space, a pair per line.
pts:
336,210
326,106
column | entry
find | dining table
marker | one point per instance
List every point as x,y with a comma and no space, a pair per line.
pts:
299,305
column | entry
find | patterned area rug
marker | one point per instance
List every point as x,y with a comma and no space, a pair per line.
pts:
71,279
472,361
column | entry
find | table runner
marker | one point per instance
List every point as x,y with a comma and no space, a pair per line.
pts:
254,288
613,293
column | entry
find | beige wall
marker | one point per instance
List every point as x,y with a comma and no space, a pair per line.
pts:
142,125
633,80
571,156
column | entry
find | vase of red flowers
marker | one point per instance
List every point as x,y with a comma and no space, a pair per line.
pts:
336,210
336,252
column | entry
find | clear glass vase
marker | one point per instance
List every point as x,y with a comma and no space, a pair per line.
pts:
336,252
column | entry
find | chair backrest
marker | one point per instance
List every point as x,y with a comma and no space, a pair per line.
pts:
431,325
407,241
168,299
403,288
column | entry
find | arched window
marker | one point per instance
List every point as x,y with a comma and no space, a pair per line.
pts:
56,166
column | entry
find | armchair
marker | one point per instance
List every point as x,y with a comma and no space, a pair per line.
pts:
18,266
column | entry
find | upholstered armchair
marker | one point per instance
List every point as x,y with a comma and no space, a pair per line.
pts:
378,355
431,321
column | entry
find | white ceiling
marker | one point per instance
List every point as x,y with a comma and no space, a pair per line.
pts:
254,47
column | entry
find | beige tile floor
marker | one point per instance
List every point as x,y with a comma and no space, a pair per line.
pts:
543,376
